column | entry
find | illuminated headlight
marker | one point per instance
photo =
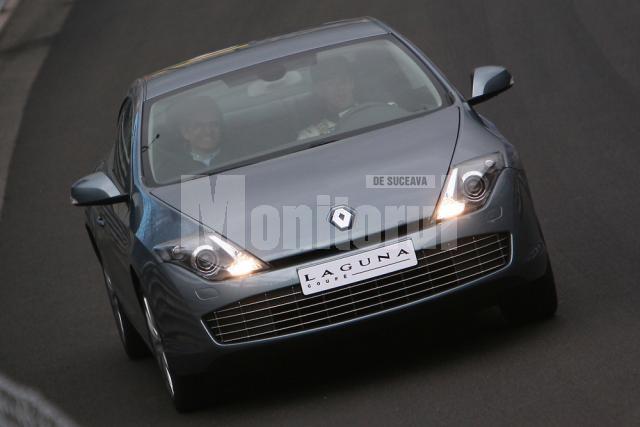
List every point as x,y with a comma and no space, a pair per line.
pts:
210,256
468,186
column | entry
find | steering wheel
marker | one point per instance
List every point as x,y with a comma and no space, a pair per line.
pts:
369,113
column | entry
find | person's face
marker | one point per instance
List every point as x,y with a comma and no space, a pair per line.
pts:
336,92
203,130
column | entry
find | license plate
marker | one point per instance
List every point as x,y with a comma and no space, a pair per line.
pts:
354,268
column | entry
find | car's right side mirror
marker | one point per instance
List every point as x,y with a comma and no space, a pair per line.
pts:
96,189
487,82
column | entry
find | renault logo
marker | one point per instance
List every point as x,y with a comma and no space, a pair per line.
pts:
342,217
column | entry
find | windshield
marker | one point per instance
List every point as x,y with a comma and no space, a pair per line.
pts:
284,105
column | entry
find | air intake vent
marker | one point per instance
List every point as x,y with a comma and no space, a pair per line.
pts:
288,310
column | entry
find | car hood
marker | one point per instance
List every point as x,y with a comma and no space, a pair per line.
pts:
256,205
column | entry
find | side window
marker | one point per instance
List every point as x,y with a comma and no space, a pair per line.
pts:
122,153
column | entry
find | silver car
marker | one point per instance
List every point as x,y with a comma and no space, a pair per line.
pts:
303,183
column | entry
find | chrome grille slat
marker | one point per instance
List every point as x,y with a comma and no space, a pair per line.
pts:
287,310
419,259
372,305
351,294
344,305
406,271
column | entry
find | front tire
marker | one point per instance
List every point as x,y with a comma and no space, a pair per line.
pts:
182,389
132,342
532,302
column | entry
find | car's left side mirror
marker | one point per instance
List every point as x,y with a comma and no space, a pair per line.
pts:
488,82
96,189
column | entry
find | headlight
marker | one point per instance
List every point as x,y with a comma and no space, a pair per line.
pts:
468,186
210,256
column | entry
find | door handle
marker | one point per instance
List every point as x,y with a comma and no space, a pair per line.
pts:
100,221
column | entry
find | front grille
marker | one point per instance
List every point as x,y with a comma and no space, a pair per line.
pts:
287,310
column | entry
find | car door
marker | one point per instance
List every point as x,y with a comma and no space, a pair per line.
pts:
115,219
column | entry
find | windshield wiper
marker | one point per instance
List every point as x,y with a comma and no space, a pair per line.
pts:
322,142
144,148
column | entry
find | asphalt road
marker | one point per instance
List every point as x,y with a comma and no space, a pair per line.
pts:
574,114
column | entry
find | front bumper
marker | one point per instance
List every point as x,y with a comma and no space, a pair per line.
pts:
181,301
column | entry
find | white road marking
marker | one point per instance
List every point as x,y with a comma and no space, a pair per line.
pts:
20,63
21,406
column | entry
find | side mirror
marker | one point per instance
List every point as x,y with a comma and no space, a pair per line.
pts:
95,189
488,82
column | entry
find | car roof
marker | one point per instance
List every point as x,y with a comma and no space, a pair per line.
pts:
240,56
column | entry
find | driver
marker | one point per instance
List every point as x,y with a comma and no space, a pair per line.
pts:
333,84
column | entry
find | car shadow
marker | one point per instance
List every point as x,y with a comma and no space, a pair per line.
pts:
353,357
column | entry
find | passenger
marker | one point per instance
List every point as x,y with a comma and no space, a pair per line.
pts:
200,124
198,133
